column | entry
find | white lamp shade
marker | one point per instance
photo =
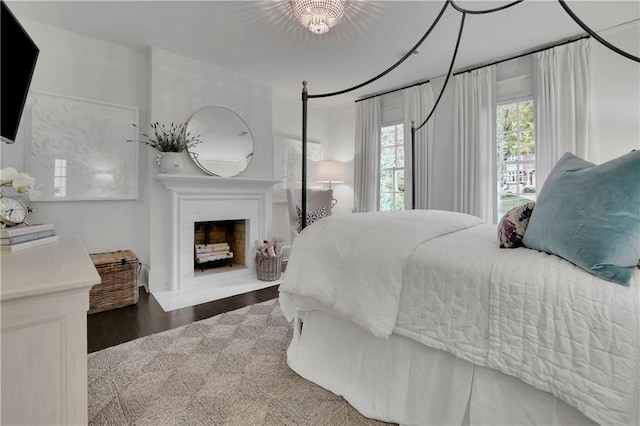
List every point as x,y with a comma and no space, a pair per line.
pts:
330,171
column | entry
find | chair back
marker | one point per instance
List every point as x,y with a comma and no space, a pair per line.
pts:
316,199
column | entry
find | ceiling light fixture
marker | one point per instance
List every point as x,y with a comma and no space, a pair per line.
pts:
318,15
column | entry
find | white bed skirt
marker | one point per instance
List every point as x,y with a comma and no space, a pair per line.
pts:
401,381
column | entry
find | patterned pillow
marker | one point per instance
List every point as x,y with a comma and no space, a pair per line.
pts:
312,217
513,224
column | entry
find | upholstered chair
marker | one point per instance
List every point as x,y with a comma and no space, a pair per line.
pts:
316,200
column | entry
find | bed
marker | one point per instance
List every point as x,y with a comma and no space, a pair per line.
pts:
418,317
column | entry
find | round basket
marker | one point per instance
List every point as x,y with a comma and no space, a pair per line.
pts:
268,268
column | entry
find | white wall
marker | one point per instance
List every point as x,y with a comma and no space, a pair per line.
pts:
74,65
165,87
617,90
179,87
340,146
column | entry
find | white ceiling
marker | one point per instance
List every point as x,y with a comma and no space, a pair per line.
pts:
262,40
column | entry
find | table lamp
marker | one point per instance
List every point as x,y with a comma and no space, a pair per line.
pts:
330,171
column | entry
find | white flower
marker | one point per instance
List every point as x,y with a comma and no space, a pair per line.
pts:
21,181
8,174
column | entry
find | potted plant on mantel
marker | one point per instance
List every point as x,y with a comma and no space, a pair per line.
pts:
169,142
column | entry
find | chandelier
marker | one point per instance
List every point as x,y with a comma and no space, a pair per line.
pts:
318,15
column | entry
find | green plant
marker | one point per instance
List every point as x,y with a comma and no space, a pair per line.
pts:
529,190
172,139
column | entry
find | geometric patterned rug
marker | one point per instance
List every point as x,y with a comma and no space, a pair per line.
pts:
230,369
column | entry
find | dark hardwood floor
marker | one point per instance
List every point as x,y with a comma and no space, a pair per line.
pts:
110,328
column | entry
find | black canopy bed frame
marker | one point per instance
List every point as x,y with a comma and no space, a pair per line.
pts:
306,96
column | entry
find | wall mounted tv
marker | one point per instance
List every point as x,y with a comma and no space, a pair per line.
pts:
18,55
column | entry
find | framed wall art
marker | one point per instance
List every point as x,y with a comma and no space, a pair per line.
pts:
288,166
78,149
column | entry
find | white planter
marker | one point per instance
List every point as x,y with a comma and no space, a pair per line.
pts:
171,162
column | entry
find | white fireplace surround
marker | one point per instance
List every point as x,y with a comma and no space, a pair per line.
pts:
208,198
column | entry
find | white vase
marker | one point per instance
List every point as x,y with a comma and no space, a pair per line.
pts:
171,162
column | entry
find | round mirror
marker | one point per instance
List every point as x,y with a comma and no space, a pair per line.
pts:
227,144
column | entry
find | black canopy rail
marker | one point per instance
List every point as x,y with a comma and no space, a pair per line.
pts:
464,11
415,129
485,11
595,35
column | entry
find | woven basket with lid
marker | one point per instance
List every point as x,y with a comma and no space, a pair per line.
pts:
119,287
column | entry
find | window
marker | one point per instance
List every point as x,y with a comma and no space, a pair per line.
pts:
516,155
392,167
60,178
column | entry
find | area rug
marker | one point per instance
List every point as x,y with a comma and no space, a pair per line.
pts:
230,369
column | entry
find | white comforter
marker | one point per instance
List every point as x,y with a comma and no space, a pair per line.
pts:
367,251
522,312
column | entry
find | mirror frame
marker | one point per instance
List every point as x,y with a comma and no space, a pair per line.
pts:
194,155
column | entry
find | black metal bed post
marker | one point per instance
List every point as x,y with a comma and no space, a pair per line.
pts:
413,164
303,190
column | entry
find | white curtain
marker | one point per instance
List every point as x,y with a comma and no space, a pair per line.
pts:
563,106
475,143
367,155
418,102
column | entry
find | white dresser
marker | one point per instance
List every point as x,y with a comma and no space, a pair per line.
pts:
44,292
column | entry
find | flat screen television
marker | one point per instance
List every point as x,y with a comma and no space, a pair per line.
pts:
18,55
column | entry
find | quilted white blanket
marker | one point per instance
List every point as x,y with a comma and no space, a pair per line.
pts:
531,315
522,312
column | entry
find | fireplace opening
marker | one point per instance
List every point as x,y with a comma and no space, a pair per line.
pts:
219,246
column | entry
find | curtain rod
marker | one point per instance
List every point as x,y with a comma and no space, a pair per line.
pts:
393,90
475,67
520,55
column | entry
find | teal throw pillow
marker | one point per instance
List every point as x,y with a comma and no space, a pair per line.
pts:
590,215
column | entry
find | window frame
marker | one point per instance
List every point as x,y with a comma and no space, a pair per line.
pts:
394,170
498,163
60,177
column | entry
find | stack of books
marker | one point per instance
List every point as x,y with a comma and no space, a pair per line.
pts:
21,237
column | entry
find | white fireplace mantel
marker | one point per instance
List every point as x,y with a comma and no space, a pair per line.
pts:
196,183
197,198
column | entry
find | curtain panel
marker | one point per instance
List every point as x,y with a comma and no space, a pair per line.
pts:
564,107
475,143
367,155
418,102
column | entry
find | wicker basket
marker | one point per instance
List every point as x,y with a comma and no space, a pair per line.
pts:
119,287
268,268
